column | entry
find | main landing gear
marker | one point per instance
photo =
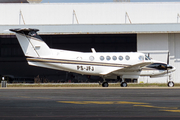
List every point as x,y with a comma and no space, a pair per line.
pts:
105,84
123,84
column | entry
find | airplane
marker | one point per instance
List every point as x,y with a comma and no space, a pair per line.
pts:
108,65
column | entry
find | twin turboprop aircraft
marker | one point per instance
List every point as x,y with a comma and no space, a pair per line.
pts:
112,65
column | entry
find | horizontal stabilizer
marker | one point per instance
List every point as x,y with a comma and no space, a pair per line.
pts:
31,43
23,30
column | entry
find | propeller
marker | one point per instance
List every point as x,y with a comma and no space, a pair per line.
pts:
170,83
167,66
168,59
148,55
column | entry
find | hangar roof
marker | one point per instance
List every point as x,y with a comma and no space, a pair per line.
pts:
97,28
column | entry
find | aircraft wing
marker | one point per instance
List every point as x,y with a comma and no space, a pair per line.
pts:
131,68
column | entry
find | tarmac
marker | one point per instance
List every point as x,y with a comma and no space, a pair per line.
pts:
90,103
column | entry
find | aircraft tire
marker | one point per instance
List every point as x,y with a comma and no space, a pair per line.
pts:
170,84
105,84
123,84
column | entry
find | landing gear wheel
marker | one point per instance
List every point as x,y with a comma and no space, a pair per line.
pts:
170,84
105,84
123,84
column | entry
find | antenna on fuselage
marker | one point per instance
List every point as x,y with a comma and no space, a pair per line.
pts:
168,59
93,50
149,56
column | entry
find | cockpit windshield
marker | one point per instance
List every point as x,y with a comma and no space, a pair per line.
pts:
147,58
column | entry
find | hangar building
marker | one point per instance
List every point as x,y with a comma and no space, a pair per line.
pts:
118,26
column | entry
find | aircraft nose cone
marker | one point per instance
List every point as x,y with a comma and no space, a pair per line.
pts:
169,67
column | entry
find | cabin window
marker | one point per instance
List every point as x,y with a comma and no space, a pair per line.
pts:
141,58
114,58
120,57
91,58
101,58
108,58
127,57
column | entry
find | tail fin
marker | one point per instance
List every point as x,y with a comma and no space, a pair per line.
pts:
31,43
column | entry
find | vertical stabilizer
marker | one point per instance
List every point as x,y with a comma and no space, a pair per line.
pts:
31,43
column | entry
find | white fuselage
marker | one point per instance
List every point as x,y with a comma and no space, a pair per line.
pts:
104,64
94,64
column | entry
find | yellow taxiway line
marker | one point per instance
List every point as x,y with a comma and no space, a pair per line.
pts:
135,104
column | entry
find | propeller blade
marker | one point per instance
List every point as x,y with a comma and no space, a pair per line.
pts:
168,59
167,75
167,66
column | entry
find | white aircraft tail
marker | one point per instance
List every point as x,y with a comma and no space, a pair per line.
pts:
31,43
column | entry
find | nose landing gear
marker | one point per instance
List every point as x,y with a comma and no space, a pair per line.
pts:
170,83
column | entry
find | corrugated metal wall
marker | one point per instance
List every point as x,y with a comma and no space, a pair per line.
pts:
90,13
158,46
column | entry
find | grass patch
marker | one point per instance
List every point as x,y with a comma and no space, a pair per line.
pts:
53,85
89,85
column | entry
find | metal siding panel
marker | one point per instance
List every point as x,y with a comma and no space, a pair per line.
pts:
97,28
90,13
152,43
